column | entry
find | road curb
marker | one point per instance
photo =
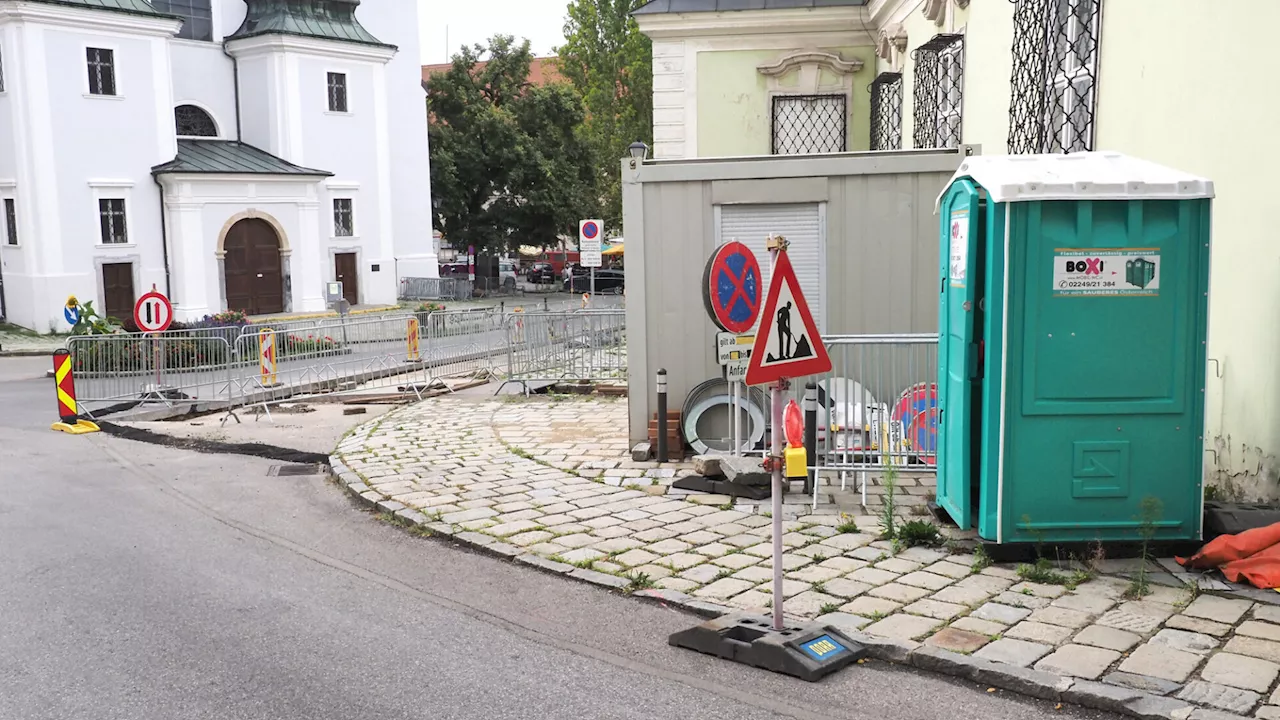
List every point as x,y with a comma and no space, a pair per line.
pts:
1023,681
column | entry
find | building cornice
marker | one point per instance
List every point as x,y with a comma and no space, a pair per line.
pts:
849,19
273,43
87,18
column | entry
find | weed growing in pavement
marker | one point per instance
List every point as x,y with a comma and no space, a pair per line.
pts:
1042,572
584,564
559,558
638,581
919,510
918,532
725,506
1151,509
420,531
847,524
819,587
981,560
631,486
818,557
727,572
828,608
888,513
877,615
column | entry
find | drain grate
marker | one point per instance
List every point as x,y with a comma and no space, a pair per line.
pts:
290,470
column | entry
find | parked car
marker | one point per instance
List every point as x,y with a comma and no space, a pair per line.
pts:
607,281
453,269
542,273
507,274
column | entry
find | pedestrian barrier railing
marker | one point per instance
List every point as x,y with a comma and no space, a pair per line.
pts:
553,347
452,288
878,407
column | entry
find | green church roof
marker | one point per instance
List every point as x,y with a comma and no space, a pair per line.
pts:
327,19
137,7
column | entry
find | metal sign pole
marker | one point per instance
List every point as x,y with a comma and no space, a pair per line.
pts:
775,463
737,415
593,281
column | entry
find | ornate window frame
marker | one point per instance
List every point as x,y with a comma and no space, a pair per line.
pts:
810,64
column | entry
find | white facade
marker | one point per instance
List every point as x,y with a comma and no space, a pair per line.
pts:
70,154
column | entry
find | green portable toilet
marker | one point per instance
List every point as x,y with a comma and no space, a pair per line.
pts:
1071,348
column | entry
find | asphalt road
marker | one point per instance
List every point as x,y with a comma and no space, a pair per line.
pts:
146,582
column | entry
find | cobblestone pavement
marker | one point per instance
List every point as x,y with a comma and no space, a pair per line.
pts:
551,483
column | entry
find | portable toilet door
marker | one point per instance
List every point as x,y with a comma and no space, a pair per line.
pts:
959,338
1071,362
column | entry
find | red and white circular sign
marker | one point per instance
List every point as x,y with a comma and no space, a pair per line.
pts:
153,313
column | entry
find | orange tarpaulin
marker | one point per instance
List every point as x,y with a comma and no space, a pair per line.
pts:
1252,556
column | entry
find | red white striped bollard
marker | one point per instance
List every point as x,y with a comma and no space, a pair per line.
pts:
68,411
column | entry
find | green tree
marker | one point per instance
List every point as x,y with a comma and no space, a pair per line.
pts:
610,63
509,163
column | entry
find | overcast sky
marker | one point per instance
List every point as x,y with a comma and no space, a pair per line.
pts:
474,21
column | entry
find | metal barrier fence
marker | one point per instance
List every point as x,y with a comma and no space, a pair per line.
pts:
259,365
142,369
878,407
550,347
452,288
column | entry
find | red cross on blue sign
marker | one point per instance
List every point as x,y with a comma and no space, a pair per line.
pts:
731,287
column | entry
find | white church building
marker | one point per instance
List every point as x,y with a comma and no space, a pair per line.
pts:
236,154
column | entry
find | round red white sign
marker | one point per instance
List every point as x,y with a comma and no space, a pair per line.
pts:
153,313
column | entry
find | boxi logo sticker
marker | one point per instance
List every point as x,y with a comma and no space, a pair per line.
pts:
1119,271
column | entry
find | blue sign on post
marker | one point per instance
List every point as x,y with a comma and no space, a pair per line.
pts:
71,312
731,287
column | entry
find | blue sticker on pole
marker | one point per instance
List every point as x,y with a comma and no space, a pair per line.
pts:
731,287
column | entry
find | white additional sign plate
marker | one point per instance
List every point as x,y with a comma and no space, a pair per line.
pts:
959,246
733,348
1114,271
590,234
736,371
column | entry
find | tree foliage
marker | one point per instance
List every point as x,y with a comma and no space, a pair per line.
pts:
509,163
609,61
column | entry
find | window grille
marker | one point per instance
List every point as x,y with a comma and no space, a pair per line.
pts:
337,92
191,121
1055,71
102,71
343,218
886,111
939,92
11,220
112,219
197,17
806,124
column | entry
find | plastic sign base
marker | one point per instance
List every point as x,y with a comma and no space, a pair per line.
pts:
80,427
809,651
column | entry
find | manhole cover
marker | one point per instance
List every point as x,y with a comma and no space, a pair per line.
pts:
287,470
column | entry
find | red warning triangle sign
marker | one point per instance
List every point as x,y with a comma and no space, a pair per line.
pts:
787,344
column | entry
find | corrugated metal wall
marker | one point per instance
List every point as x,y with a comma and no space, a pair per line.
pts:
881,251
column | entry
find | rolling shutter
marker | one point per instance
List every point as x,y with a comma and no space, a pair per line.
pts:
799,223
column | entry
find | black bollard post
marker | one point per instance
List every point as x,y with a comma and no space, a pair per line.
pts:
811,435
662,415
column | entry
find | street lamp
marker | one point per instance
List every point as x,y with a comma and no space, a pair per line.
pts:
638,150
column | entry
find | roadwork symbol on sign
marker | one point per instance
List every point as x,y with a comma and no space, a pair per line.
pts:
152,312
787,344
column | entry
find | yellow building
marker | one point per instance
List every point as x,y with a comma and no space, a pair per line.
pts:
1183,83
